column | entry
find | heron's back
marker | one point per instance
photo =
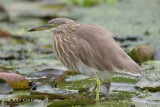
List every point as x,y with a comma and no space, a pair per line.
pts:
98,50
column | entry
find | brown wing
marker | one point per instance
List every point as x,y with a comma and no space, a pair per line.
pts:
97,48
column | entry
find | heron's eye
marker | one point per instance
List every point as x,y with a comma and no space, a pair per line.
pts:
54,24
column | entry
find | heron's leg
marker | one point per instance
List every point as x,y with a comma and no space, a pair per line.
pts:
94,88
98,87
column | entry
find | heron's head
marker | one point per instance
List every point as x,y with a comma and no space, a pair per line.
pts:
57,24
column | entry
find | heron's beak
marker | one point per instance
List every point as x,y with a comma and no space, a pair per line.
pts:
44,27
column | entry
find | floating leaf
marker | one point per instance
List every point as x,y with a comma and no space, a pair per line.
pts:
151,69
37,102
139,102
73,102
48,73
49,89
9,55
52,95
45,88
51,73
17,81
4,87
146,83
157,55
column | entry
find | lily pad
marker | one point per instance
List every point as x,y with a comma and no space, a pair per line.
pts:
73,102
37,103
126,87
146,83
140,102
9,55
48,73
51,95
157,55
151,69
4,87
153,97
49,89
17,81
76,78
46,88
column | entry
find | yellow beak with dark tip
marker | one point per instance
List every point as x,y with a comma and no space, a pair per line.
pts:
44,27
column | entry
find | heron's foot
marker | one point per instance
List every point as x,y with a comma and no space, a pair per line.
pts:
98,88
